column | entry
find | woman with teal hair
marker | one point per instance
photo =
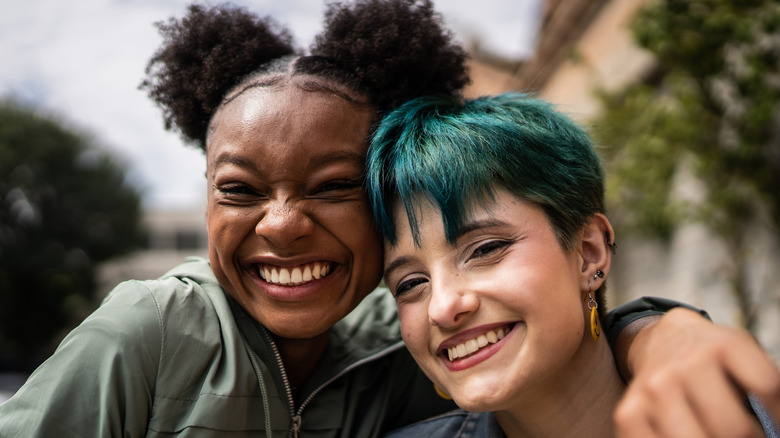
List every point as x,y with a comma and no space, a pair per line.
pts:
497,250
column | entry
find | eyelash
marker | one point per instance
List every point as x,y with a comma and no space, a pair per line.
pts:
407,285
488,248
244,190
236,189
339,185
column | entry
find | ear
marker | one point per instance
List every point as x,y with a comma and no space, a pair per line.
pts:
595,251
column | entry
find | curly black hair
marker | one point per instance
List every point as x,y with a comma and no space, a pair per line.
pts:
386,50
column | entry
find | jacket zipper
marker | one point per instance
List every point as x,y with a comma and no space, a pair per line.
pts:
297,417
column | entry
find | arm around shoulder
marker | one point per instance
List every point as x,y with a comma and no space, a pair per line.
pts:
690,377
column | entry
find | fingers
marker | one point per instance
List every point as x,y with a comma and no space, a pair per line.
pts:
754,372
720,406
673,404
660,413
691,377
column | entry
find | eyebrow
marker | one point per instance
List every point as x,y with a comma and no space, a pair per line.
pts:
476,225
238,160
396,264
314,162
332,157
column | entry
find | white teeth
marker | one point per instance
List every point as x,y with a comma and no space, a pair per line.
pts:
471,346
294,276
284,276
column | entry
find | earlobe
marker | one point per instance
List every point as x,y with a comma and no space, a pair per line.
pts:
597,246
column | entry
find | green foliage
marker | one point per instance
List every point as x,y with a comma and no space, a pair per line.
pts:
711,109
64,208
713,103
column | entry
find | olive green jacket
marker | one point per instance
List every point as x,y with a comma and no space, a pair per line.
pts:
177,357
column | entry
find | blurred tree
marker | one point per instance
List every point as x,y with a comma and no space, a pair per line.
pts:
711,108
64,208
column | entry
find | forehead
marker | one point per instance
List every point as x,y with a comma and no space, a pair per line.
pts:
286,103
283,123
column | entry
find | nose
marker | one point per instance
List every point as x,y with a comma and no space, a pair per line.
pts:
451,303
283,223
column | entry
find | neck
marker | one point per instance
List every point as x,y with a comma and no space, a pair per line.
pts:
577,401
300,356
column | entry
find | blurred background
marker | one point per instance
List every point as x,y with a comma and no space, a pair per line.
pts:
682,95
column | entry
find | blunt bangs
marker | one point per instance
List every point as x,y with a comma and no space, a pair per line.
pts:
454,153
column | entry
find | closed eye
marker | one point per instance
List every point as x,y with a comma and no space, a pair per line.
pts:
236,189
238,194
339,187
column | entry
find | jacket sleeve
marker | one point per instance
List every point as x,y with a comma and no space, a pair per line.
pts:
618,318
100,380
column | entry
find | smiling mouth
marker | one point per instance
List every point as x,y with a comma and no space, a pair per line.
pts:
471,346
294,276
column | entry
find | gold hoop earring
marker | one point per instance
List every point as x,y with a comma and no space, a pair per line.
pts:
595,328
441,392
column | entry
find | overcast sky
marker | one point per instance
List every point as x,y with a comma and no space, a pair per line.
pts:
83,61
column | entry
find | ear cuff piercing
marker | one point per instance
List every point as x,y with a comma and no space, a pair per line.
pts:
611,245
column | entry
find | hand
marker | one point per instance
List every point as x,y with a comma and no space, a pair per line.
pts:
690,378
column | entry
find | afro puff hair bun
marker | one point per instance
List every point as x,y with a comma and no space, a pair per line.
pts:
387,50
397,49
203,56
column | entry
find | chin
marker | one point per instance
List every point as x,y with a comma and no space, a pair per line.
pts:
303,328
480,400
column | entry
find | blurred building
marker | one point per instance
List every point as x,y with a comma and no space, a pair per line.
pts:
584,46
171,236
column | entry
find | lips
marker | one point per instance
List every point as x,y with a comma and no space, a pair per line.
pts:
476,342
295,275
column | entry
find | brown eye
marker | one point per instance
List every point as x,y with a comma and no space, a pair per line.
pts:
489,248
408,285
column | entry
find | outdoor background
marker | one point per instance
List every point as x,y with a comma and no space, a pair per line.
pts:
683,100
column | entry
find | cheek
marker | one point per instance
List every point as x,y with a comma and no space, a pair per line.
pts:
354,226
415,328
225,228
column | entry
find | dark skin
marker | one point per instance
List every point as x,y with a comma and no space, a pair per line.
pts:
285,200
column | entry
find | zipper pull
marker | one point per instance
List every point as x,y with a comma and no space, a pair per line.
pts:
296,425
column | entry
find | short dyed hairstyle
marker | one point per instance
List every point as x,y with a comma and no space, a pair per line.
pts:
453,151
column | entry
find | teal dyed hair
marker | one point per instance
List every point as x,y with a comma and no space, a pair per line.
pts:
453,152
